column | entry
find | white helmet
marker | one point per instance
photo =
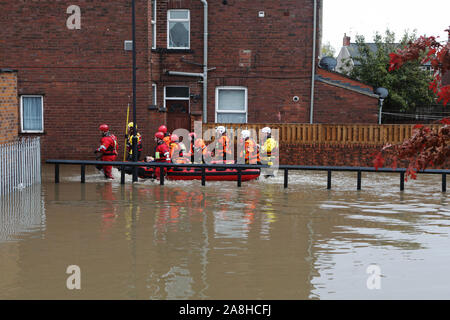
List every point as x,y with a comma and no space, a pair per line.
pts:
266,130
221,129
245,134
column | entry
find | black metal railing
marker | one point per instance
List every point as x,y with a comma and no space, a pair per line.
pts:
240,167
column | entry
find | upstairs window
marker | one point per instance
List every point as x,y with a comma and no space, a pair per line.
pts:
178,29
32,113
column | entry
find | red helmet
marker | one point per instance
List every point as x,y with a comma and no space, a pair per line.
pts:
159,135
192,135
104,128
174,138
162,129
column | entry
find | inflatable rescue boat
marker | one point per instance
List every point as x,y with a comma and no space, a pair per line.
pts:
213,174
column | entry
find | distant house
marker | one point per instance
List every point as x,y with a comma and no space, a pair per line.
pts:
347,57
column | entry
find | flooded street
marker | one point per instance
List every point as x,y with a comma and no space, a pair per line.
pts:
185,241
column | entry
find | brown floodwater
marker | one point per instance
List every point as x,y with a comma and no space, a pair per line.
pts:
185,241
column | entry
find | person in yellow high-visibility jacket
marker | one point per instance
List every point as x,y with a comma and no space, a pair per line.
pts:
269,147
130,142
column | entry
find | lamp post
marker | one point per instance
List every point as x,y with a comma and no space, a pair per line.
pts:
134,139
382,94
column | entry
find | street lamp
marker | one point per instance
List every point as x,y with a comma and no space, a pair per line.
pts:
382,93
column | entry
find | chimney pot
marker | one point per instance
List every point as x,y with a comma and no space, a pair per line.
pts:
346,41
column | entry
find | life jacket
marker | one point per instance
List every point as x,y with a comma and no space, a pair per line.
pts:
162,153
167,140
130,143
223,147
110,145
250,152
269,147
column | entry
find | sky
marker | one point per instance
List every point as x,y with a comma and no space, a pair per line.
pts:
365,17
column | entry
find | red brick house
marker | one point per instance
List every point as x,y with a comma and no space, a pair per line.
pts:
77,75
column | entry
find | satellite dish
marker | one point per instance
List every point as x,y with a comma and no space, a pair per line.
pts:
328,63
382,92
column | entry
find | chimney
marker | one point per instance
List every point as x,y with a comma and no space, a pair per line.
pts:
346,41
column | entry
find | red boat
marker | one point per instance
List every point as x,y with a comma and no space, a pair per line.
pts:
213,174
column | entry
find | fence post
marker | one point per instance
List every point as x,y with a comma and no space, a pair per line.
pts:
358,187
56,173
329,179
203,176
161,175
286,173
444,182
402,181
122,174
239,181
83,173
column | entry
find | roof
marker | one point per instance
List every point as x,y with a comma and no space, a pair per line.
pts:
339,80
353,50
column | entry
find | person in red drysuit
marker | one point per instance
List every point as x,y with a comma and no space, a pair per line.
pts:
162,152
108,149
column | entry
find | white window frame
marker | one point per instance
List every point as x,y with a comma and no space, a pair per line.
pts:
154,94
21,113
232,111
154,24
178,20
178,98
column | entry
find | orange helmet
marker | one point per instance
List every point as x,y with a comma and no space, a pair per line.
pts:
159,135
174,138
104,128
162,129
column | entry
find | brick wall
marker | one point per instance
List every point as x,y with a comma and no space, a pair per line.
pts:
338,105
85,75
9,107
333,155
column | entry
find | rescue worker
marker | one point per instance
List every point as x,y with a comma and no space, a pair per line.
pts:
162,152
250,151
199,149
177,150
222,147
269,147
108,149
166,139
129,138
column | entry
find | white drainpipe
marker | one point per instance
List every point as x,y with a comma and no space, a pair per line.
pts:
203,75
313,73
205,60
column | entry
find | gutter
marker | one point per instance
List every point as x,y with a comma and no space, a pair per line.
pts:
313,75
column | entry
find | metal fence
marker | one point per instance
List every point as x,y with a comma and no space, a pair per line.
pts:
20,164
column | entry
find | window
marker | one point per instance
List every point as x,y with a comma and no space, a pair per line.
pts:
176,99
231,105
154,92
178,29
153,24
32,113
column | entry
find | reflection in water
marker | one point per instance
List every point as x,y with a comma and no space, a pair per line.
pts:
184,241
21,212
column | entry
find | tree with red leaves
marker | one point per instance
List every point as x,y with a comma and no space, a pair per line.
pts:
426,147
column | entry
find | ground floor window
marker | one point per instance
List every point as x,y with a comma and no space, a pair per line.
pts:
32,113
231,105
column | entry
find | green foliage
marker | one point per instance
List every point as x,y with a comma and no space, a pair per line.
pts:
408,86
327,50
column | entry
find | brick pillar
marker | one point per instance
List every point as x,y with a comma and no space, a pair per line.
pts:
9,106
